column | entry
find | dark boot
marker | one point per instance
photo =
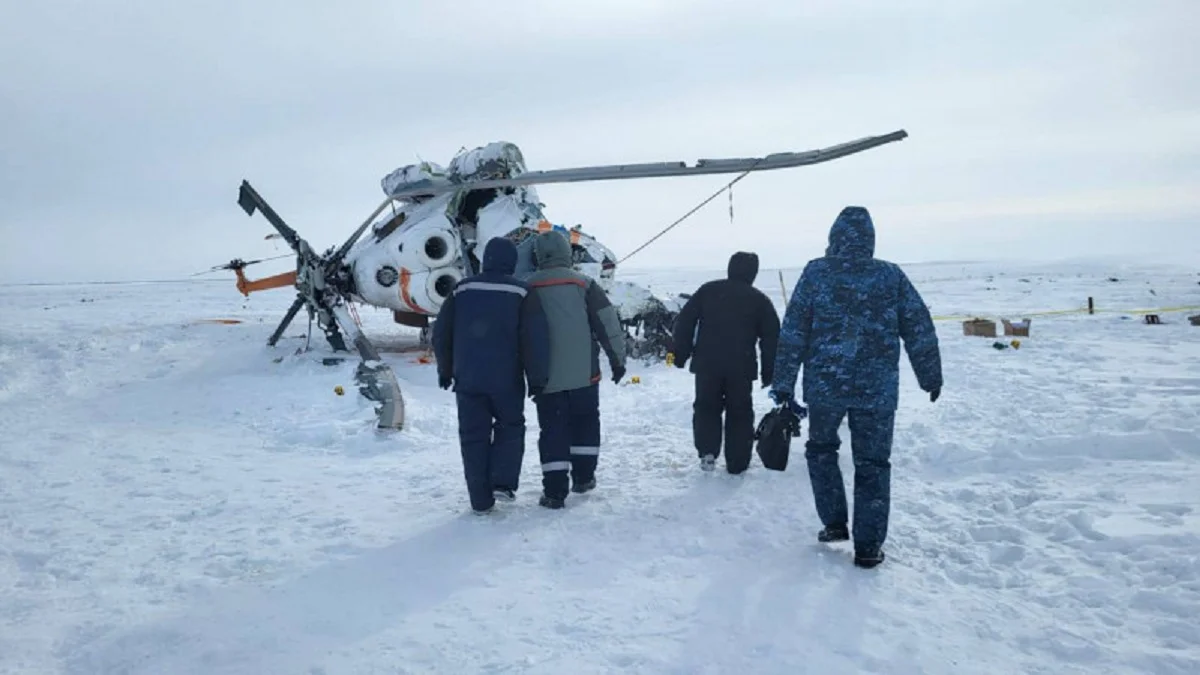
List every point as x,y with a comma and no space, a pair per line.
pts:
586,486
833,533
868,559
551,502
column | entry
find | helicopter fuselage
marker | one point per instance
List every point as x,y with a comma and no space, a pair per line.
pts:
411,258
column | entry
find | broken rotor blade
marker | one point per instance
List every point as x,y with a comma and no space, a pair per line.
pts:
376,380
782,160
249,199
345,247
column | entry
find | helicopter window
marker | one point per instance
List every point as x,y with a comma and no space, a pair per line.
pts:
390,226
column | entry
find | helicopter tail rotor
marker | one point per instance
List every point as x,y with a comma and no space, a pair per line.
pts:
239,264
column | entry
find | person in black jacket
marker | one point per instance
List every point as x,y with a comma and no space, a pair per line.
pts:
490,337
717,330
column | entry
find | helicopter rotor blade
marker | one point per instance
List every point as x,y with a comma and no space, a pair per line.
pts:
345,247
782,160
249,200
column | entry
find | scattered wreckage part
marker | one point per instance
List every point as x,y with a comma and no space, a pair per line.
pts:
651,337
376,380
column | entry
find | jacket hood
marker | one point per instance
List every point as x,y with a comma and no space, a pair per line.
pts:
551,249
743,266
852,234
500,256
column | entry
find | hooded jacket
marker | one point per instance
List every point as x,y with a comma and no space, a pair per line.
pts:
845,321
491,334
581,319
720,325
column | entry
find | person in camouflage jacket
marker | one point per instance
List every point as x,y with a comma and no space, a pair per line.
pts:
844,324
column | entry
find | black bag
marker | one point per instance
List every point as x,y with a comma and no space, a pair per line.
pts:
773,437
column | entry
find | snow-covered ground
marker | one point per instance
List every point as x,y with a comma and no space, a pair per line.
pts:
175,497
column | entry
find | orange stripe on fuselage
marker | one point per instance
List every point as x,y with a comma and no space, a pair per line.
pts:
405,280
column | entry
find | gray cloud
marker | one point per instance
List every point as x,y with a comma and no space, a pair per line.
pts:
1035,126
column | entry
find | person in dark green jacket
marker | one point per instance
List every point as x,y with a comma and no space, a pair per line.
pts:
582,322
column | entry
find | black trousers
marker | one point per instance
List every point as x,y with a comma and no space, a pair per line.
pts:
731,396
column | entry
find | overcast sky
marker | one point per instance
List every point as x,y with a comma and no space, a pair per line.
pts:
1039,129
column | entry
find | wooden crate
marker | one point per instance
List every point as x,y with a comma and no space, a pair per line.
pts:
979,328
1018,329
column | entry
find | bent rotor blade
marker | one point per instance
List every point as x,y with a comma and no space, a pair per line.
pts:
249,199
345,248
376,380
287,319
782,160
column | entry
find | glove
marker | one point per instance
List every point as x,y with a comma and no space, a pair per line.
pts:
933,395
618,373
785,400
680,363
445,381
535,392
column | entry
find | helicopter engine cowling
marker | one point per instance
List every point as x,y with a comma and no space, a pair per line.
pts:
434,248
419,291
428,290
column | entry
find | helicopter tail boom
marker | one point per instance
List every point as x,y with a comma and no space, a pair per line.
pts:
247,286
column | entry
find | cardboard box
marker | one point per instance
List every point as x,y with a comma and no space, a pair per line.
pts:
1018,329
979,328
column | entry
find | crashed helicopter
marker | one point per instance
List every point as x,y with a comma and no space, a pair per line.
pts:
429,233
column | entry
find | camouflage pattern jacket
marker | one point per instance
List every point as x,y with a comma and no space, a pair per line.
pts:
582,320
845,321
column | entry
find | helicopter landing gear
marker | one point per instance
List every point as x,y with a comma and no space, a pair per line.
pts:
425,339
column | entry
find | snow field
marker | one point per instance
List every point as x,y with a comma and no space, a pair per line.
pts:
174,501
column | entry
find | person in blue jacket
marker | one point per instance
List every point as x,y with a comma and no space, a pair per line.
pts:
491,338
844,324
